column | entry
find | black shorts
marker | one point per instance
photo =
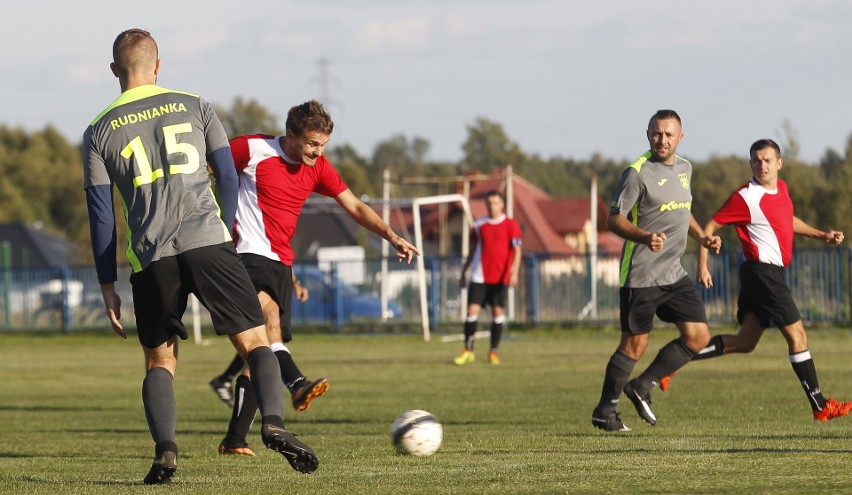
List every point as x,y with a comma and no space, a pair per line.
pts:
675,303
276,279
764,292
494,295
216,277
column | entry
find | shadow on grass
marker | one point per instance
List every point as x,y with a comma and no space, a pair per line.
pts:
42,481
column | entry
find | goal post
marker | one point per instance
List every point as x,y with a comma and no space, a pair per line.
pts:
418,242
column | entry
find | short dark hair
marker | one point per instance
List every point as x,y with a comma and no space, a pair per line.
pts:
665,114
132,49
309,116
494,192
764,143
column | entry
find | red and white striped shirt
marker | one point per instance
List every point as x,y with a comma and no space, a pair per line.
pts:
764,222
495,243
272,193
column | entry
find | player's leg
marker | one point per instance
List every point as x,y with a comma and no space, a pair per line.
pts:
475,299
222,385
160,301
498,299
637,308
681,305
242,417
744,341
225,289
803,365
158,399
302,390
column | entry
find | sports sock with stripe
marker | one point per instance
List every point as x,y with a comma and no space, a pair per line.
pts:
672,357
245,409
805,369
617,374
715,348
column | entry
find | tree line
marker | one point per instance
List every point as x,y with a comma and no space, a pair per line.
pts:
41,173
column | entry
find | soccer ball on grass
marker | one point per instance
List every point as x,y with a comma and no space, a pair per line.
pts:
416,432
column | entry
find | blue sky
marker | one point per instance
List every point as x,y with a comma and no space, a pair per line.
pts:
564,78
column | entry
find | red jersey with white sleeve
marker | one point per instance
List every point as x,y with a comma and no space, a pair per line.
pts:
495,242
764,222
273,190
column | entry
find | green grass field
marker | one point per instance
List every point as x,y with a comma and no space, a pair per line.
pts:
72,420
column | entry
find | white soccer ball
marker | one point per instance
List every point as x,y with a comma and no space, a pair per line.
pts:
416,432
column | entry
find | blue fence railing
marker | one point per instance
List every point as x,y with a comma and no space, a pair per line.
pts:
551,290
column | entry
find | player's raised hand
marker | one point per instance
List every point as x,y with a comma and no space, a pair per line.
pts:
656,241
834,237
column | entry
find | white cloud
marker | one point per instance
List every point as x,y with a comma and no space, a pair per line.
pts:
411,34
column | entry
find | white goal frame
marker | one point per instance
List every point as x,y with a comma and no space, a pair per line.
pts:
418,242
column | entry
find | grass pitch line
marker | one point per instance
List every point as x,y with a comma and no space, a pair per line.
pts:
459,336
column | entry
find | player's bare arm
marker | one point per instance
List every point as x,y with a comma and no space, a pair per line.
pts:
703,271
800,227
624,228
516,266
370,220
705,240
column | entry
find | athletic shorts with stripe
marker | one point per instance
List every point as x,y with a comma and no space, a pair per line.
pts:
675,303
494,295
217,278
276,279
764,292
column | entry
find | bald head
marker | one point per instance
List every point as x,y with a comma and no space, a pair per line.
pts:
135,58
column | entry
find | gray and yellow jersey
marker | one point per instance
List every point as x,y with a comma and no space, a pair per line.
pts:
153,144
656,198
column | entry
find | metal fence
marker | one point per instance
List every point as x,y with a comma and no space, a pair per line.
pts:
551,290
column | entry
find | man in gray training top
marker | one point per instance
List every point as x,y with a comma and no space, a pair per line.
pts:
651,212
154,144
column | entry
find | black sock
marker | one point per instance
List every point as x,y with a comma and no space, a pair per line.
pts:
469,332
266,381
617,374
496,334
245,409
805,369
158,397
233,369
715,348
290,373
672,357
165,446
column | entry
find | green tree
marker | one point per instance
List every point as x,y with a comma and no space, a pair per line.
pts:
248,117
487,148
41,182
352,168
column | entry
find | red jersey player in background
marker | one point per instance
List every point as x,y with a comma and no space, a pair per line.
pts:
762,213
494,268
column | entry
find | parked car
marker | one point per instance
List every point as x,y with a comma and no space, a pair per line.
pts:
328,293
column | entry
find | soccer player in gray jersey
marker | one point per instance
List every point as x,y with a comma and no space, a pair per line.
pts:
651,212
153,144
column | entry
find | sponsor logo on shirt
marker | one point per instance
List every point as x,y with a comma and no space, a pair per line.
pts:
674,205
